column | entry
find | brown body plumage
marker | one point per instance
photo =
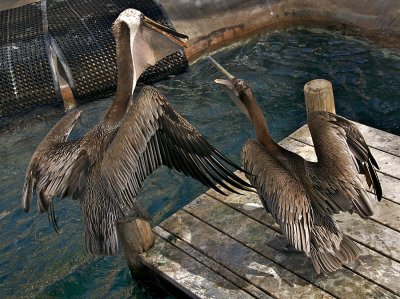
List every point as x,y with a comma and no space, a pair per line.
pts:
105,169
302,196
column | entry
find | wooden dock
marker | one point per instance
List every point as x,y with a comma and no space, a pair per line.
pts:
217,247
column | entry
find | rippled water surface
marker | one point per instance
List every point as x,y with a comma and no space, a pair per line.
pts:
35,261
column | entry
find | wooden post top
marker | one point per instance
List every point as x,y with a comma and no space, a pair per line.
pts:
319,96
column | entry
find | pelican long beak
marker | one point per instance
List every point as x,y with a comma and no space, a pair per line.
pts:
171,34
229,86
221,69
230,89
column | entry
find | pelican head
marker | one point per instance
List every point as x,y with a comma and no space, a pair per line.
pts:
238,89
146,40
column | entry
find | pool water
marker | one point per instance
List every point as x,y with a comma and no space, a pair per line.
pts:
36,262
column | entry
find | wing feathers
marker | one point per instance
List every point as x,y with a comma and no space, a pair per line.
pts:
330,249
343,156
153,134
51,163
281,194
357,145
78,176
374,180
27,191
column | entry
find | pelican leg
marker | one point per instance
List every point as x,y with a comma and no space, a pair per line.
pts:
281,244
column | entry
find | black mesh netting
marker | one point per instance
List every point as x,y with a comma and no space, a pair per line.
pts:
82,31
25,78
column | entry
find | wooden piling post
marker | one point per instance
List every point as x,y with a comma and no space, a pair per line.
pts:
318,94
136,237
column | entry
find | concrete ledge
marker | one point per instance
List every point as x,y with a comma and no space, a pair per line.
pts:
212,24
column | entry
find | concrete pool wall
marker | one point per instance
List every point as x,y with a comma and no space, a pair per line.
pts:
212,24
200,18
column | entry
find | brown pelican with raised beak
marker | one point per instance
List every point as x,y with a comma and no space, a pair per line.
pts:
301,195
105,169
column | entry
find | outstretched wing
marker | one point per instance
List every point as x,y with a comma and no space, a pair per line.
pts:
343,156
51,165
153,134
281,194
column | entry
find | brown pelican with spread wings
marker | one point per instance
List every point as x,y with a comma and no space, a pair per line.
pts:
302,196
106,168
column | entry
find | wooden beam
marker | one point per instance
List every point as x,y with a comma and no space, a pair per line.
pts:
242,260
187,274
136,237
318,94
244,219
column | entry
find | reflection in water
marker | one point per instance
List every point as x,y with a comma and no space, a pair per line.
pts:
35,261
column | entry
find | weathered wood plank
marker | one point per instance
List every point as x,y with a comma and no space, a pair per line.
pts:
256,235
224,272
373,235
379,269
388,162
385,212
240,259
390,187
375,138
187,274
380,139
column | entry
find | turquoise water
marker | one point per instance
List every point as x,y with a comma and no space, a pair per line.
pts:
36,262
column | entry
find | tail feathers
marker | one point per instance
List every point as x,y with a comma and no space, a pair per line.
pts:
27,192
362,203
374,180
43,201
100,244
100,218
325,261
101,231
